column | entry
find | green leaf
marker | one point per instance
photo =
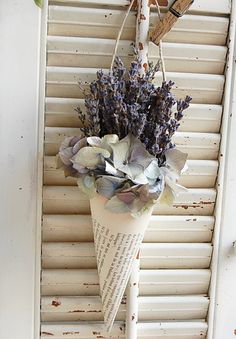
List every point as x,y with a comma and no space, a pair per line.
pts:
39,3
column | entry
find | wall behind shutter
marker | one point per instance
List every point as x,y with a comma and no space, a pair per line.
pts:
177,249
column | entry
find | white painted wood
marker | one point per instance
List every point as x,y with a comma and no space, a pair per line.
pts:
198,30
132,288
197,145
40,167
132,310
152,256
158,282
104,23
204,88
160,330
222,289
84,282
175,255
173,307
150,308
201,118
91,52
69,200
61,112
85,331
200,174
175,330
222,7
56,228
19,60
191,58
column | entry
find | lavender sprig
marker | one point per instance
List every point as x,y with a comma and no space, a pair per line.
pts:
123,102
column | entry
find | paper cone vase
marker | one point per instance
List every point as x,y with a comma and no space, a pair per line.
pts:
117,239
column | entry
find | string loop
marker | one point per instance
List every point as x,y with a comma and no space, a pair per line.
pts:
121,30
160,46
119,33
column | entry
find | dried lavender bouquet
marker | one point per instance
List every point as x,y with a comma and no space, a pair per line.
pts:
126,152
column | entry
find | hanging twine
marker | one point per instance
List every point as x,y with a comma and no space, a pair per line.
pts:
119,33
121,30
160,46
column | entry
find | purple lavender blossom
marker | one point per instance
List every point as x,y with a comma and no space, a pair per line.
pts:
124,102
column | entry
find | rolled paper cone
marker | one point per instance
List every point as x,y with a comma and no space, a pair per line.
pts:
117,239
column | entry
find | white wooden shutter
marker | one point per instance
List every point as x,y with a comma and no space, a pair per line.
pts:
177,249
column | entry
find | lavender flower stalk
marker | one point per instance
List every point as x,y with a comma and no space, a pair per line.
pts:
124,102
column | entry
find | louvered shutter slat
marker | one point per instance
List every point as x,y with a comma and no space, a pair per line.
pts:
176,330
85,52
82,255
199,174
198,118
197,145
204,88
104,23
150,308
61,228
68,200
82,282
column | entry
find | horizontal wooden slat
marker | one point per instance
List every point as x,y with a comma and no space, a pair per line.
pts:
69,200
161,228
167,255
149,308
202,146
222,7
198,118
90,52
203,88
105,23
200,173
152,282
172,330
103,3
159,330
201,118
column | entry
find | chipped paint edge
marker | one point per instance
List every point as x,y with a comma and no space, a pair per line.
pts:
40,165
228,103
